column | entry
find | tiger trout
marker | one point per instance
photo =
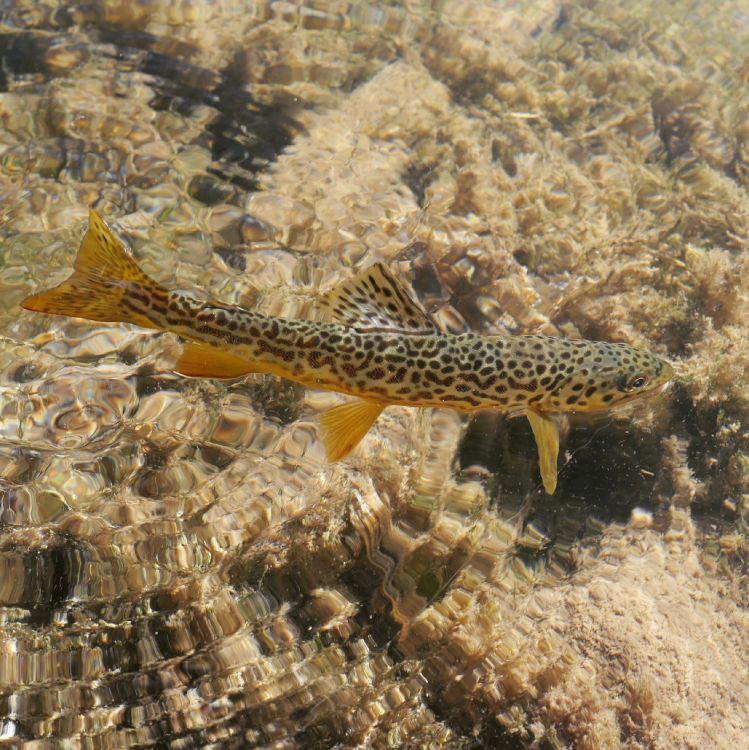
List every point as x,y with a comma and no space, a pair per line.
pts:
379,346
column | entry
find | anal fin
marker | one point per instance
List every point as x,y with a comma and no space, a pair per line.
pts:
343,427
206,361
547,440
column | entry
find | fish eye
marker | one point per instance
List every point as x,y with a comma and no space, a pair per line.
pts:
636,382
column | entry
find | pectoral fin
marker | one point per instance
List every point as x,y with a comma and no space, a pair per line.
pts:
547,439
206,361
342,427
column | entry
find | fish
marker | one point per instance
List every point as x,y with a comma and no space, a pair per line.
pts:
376,344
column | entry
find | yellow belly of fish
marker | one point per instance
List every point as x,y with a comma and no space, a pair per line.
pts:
207,360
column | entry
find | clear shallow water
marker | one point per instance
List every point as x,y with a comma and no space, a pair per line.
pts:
178,565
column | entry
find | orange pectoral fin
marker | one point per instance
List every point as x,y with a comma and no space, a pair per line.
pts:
547,439
206,361
343,427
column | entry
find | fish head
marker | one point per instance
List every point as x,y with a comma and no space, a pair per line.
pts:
612,375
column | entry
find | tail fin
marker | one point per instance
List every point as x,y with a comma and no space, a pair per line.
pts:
104,275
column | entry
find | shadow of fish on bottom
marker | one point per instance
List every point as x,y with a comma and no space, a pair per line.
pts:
379,346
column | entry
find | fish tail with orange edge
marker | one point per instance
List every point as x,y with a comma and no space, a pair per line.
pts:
106,283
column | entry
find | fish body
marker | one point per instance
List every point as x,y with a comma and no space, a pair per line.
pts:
379,346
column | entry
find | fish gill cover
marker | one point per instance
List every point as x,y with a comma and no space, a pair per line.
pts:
180,567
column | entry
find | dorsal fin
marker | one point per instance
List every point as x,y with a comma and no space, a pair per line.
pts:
375,299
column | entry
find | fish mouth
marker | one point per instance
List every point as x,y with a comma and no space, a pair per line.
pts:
667,376
662,388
